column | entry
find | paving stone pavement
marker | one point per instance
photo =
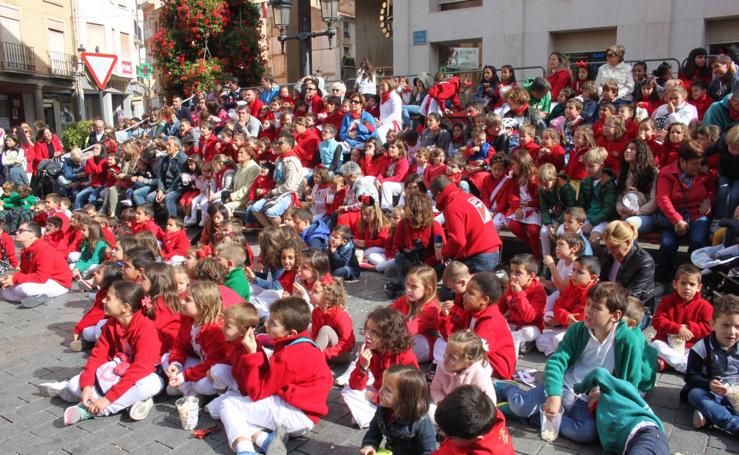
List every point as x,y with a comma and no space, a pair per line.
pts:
33,350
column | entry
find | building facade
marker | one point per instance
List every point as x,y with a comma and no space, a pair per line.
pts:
37,63
467,34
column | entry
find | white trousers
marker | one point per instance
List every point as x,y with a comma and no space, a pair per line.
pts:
243,417
263,298
676,359
20,291
145,388
388,191
189,388
548,341
93,332
523,335
360,406
500,221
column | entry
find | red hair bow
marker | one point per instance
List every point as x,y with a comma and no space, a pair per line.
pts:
581,64
327,279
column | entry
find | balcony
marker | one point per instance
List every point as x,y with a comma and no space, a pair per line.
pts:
61,64
17,57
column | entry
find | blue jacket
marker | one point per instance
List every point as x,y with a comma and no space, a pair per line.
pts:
415,438
316,235
344,256
327,152
366,129
70,169
268,95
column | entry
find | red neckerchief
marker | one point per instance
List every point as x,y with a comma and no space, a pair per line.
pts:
290,153
384,97
520,111
353,115
733,113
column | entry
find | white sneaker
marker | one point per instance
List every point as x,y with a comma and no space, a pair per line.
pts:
140,409
190,222
699,421
52,389
127,203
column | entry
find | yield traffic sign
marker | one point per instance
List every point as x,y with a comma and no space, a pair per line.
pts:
100,66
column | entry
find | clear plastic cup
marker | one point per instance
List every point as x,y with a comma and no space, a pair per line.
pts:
550,424
732,394
676,343
188,408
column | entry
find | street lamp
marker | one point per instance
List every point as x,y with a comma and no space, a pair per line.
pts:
79,75
281,16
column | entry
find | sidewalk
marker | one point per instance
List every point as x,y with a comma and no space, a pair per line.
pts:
33,350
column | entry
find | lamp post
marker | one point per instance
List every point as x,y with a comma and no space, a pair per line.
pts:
281,17
79,74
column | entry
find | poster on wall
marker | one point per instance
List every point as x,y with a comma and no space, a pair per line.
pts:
464,58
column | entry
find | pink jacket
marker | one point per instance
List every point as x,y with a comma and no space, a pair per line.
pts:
479,373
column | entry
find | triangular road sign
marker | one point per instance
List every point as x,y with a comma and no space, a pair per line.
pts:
100,66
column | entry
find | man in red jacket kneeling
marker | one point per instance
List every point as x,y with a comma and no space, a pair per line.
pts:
44,272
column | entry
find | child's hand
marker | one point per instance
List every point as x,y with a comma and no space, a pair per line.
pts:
172,371
86,397
249,273
593,397
705,207
515,287
365,355
718,388
571,319
177,380
209,375
367,450
446,307
552,405
685,334
548,261
249,341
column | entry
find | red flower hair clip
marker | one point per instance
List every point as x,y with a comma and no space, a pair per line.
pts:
146,303
327,279
367,200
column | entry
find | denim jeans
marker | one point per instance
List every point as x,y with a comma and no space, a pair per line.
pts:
644,223
697,235
648,441
170,201
408,110
577,424
345,273
90,194
484,262
727,197
716,409
138,195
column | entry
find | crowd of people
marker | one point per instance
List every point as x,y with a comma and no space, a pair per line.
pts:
415,183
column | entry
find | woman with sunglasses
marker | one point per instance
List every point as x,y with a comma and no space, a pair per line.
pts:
358,125
615,68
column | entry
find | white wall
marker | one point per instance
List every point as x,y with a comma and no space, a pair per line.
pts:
518,32
118,17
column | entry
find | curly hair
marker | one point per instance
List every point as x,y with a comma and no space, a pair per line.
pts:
211,269
419,212
334,294
392,330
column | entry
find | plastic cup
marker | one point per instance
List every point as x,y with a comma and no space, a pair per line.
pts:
732,394
550,424
188,408
676,343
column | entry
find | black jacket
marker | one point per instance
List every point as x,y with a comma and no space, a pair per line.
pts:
636,273
416,438
170,171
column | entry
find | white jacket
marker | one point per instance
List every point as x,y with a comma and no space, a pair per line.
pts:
622,74
685,113
392,110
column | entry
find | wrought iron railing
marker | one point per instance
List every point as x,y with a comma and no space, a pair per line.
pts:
61,64
17,57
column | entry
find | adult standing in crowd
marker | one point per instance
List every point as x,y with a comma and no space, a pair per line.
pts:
44,272
98,133
391,110
558,73
181,111
366,78
269,89
616,69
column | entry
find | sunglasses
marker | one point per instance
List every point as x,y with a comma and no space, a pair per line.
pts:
356,101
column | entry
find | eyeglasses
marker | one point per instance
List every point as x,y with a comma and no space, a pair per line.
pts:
311,89
336,89
356,101
23,230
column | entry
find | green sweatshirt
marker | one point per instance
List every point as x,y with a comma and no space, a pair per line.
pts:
599,203
564,199
631,363
88,257
236,280
619,410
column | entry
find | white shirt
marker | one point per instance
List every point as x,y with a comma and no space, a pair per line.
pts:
622,74
685,113
595,355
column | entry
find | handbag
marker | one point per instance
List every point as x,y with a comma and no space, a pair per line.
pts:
54,168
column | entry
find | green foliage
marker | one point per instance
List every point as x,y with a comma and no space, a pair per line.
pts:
75,134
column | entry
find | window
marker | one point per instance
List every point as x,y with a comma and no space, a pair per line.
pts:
347,31
450,5
95,37
10,25
125,46
722,36
587,45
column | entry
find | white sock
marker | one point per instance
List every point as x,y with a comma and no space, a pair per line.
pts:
244,446
260,438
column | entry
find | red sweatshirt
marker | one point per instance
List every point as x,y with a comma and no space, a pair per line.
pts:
208,148
469,225
150,226
432,172
207,344
97,171
615,150
263,183
673,312
108,235
139,341
229,296
555,157
41,263
380,362
338,319
306,146
571,301
495,193
370,241
575,167
174,244
394,170
405,237
497,441
94,315
532,187
427,321
701,105
525,307
374,165
667,153
673,195
297,373
167,324
7,245
57,241
74,239
490,325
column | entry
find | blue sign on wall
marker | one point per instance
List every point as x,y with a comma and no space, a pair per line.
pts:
419,37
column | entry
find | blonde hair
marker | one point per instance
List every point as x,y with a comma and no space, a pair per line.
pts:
207,297
547,172
587,132
334,294
634,310
455,271
619,232
471,344
619,50
231,251
618,122
551,132
610,84
596,155
732,137
676,88
243,315
518,95
427,276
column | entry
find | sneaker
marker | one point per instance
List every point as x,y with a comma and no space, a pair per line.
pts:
127,203
51,389
76,413
526,347
661,365
351,280
80,345
699,421
34,301
276,443
140,409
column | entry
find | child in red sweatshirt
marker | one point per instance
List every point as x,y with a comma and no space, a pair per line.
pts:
55,235
480,312
681,319
145,221
7,247
175,241
570,305
331,326
88,329
289,389
495,190
524,302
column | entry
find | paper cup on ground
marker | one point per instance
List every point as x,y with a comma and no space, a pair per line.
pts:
188,408
550,424
732,394
649,333
360,255
676,343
